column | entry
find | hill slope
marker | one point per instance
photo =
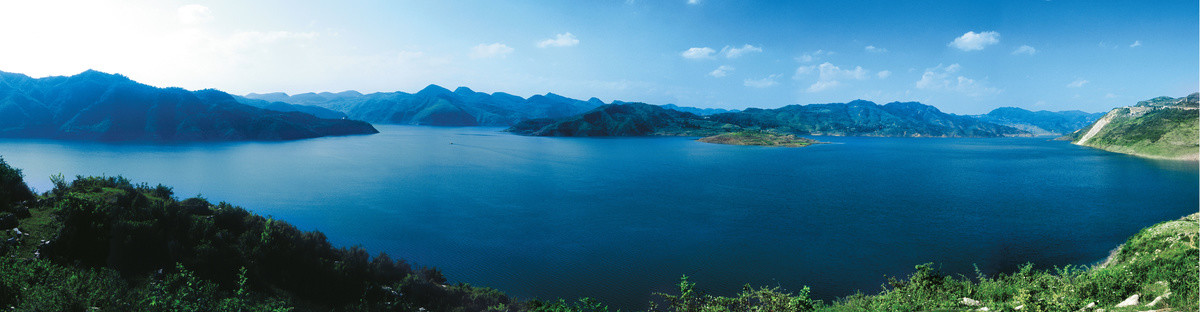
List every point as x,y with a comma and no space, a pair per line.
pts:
99,106
1164,127
1041,122
857,118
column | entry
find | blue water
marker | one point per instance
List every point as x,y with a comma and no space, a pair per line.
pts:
618,219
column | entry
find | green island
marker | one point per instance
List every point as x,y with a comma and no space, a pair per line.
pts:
759,138
107,244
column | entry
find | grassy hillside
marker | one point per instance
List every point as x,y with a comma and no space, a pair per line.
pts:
105,244
1158,131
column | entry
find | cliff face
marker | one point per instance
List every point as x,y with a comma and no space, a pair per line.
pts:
1166,128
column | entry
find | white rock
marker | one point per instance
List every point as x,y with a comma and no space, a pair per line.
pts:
1129,302
970,302
1019,307
984,309
1155,301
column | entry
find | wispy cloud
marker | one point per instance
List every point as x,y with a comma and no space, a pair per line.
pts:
1077,83
693,1
883,74
698,53
1136,43
193,14
874,49
1024,49
490,50
813,56
945,78
769,81
559,40
721,71
972,41
731,52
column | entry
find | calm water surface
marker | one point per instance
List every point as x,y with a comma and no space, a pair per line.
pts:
618,219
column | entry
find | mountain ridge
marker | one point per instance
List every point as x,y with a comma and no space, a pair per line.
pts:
99,106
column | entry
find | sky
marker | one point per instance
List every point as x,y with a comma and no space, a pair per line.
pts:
965,57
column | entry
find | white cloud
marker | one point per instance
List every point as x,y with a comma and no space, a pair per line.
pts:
803,70
693,1
874,49
830,76
409,56
972,41
1136,43
1077,83
560,40
490,50
884,74
944,78
698,53
721,71
194,14
769,81
1110,96
731,52
1027,50
813,56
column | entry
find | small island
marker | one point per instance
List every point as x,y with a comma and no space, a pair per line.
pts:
759,138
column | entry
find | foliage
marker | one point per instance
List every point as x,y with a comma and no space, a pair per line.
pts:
750,299
12,187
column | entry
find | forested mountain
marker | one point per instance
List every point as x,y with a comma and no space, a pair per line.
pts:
857,118
630,119
1040,122
437,106
100,106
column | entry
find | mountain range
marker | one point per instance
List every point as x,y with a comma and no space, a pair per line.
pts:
438,106
98,106
856,118
1040,123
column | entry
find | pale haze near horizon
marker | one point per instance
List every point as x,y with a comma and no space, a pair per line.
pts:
964,58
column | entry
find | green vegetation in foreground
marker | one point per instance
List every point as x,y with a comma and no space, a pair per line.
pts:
1157,128
759,138
103,243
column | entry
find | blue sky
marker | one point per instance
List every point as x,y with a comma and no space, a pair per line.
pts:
965,57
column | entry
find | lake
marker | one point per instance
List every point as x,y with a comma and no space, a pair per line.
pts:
620,218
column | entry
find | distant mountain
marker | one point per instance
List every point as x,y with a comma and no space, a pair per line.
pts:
320,112
1040,122
99,106
697,111
438,106
629,119
865,118
857,118
1162,127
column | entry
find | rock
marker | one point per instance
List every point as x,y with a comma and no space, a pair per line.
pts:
8,221
970,302
1129,302
1019,307
1088,306
984,309
1159,299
